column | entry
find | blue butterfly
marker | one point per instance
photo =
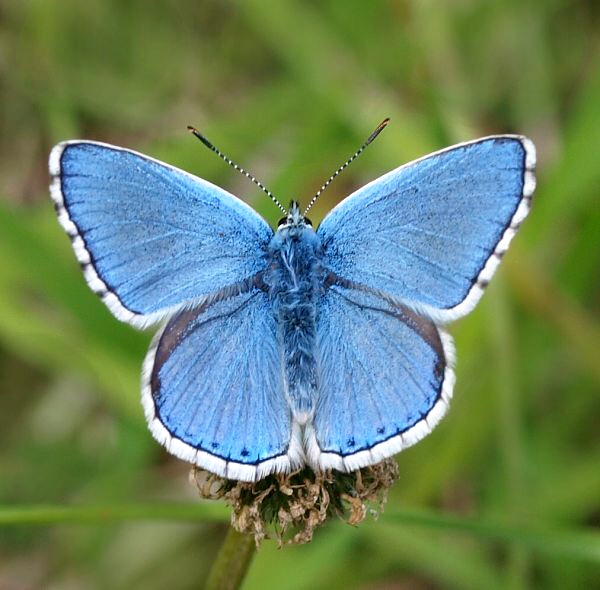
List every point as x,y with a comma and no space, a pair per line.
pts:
296,347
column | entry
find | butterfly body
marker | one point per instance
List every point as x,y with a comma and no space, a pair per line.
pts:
295,347
295,280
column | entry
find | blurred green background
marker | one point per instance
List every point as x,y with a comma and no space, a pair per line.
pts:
290,89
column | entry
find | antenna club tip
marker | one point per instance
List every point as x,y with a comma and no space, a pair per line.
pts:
382,125
377,131
201,137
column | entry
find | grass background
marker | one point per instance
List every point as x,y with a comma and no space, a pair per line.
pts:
509,482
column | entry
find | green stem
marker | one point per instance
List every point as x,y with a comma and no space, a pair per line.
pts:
230,567
48,514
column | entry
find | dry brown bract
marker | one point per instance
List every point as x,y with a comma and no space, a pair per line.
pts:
288,507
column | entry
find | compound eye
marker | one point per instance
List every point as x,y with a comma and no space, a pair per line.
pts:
283,221
308,221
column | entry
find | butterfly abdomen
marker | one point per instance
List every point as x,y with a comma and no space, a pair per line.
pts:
295,281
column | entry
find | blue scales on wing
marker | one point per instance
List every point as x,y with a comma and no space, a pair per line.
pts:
385,379
212,389
432,232
148,235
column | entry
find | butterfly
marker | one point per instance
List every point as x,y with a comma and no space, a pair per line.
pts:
278,349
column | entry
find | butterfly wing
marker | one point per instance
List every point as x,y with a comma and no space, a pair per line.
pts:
212,389
431,233
385,380
150,236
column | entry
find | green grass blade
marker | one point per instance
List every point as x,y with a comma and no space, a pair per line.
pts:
103,514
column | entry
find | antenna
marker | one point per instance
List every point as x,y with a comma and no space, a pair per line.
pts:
219,153
357,153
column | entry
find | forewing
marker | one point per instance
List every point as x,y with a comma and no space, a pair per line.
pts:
149,236
213,389
385,380
431,233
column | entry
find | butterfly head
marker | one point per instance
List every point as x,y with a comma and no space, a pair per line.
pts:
294,218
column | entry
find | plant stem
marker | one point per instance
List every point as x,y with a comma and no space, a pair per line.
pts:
107,513
232,562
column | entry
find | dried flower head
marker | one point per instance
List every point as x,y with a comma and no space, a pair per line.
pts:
288,507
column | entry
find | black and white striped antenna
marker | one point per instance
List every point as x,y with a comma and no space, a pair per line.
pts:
221,155
357,153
